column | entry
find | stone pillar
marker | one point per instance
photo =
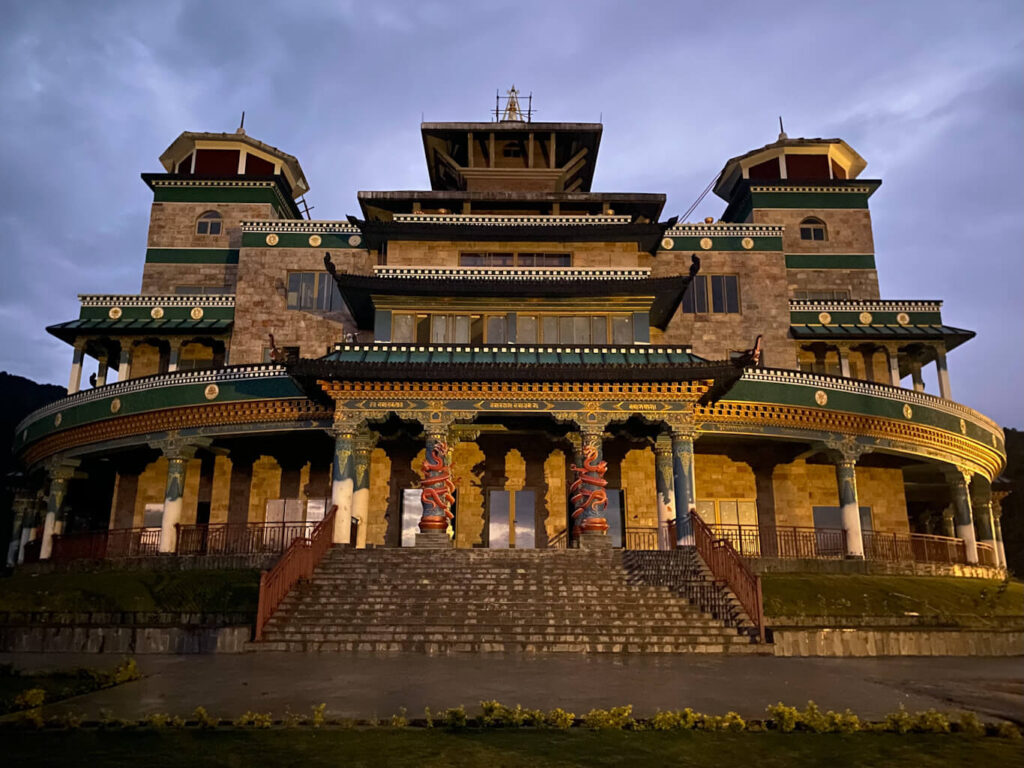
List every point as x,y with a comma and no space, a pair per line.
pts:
361,493
437,487
75,382
22,507
587,492
997,514
684,483
948,526
178,452
845,452
665,485
943,371
893,353
343,482
61,472
984,520
844,360
124,367
101,372
29,526
915,374
240,486
963,514
764,488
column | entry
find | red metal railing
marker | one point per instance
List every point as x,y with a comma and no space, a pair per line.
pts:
239,538
987,555
784,541
914,547
298,562
113,544
727,565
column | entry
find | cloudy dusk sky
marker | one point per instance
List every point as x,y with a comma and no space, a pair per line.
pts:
931,93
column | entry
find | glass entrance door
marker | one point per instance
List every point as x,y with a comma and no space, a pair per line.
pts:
511,519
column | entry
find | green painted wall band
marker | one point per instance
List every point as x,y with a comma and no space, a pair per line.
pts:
301,240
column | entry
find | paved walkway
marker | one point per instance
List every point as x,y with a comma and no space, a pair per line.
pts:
377,686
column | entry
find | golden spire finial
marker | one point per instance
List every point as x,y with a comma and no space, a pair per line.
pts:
512,110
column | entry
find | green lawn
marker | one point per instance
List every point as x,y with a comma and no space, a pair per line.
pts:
943,599
495,749
174,591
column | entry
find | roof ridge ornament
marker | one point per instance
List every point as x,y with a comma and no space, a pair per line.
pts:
512,112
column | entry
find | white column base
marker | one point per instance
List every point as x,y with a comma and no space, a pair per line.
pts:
172,516
341,496
854,535
966,532
47,546
361,512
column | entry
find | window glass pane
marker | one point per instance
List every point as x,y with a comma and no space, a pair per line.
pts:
581,330
527,260
746,512
691,290
477,330
727,512
307,290
599,330
819,233
214,227
495,329
403,328
462,329
202,227
805,233
732,293
717,294
700,294
565,330
558,260
622,330
471,260
438,329
501,259
550,330
293,289
526,329
422,329
706,510
322,294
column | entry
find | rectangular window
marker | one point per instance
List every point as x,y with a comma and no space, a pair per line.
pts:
313,292
622,330
581,330
599,330
718,294
565,326
526,329
550,329
496,329
403,328
488,259
462,325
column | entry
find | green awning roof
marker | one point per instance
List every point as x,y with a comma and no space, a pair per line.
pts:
126,327
445,355
953,337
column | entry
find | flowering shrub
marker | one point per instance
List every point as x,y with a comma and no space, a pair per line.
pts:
560,719
783,718
616,718
455,719
254,720
970,725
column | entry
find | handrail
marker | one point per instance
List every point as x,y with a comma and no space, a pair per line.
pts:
726,565
298,562
239,538
560,540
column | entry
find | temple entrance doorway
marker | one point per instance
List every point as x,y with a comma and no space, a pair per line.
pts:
512,518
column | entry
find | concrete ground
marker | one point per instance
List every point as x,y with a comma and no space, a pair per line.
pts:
356,686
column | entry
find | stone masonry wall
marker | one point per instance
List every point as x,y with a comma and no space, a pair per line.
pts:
861,283
764,307
261,303
848,231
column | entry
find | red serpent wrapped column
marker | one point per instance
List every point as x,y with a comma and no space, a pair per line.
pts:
437,494
587,493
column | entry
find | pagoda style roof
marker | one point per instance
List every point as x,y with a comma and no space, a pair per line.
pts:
382,204
359,291
570,229
73,329
148,314
390,362
951,337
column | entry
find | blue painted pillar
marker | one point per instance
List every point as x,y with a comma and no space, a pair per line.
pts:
61,473
683,482
343,483
665,485
963,515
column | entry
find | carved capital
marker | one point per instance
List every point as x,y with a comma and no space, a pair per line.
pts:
174,447
61,469
844,449
959,476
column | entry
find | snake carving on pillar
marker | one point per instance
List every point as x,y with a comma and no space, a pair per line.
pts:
587,493
437,485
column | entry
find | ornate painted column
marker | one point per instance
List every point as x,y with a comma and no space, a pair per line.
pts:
75,381
101,371
963,516
343,481
124,361
61,471
436,494
845,452
587,493
22,507
178,451
684,481
844,360
665,485
948,524
943,371
892,351
364,444
915,375
984,520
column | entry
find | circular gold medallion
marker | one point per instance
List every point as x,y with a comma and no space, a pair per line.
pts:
196,313
115,405
908,412
903,318
667,243
705,243
963,427
865,318
820,397
211,391
824,318
354,240
115,313
315,240
58,419
272,239
747,243
156,313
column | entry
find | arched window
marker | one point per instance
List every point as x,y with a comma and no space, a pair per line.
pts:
208,224
812,229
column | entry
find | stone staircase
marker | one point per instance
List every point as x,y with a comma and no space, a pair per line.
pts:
520,601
